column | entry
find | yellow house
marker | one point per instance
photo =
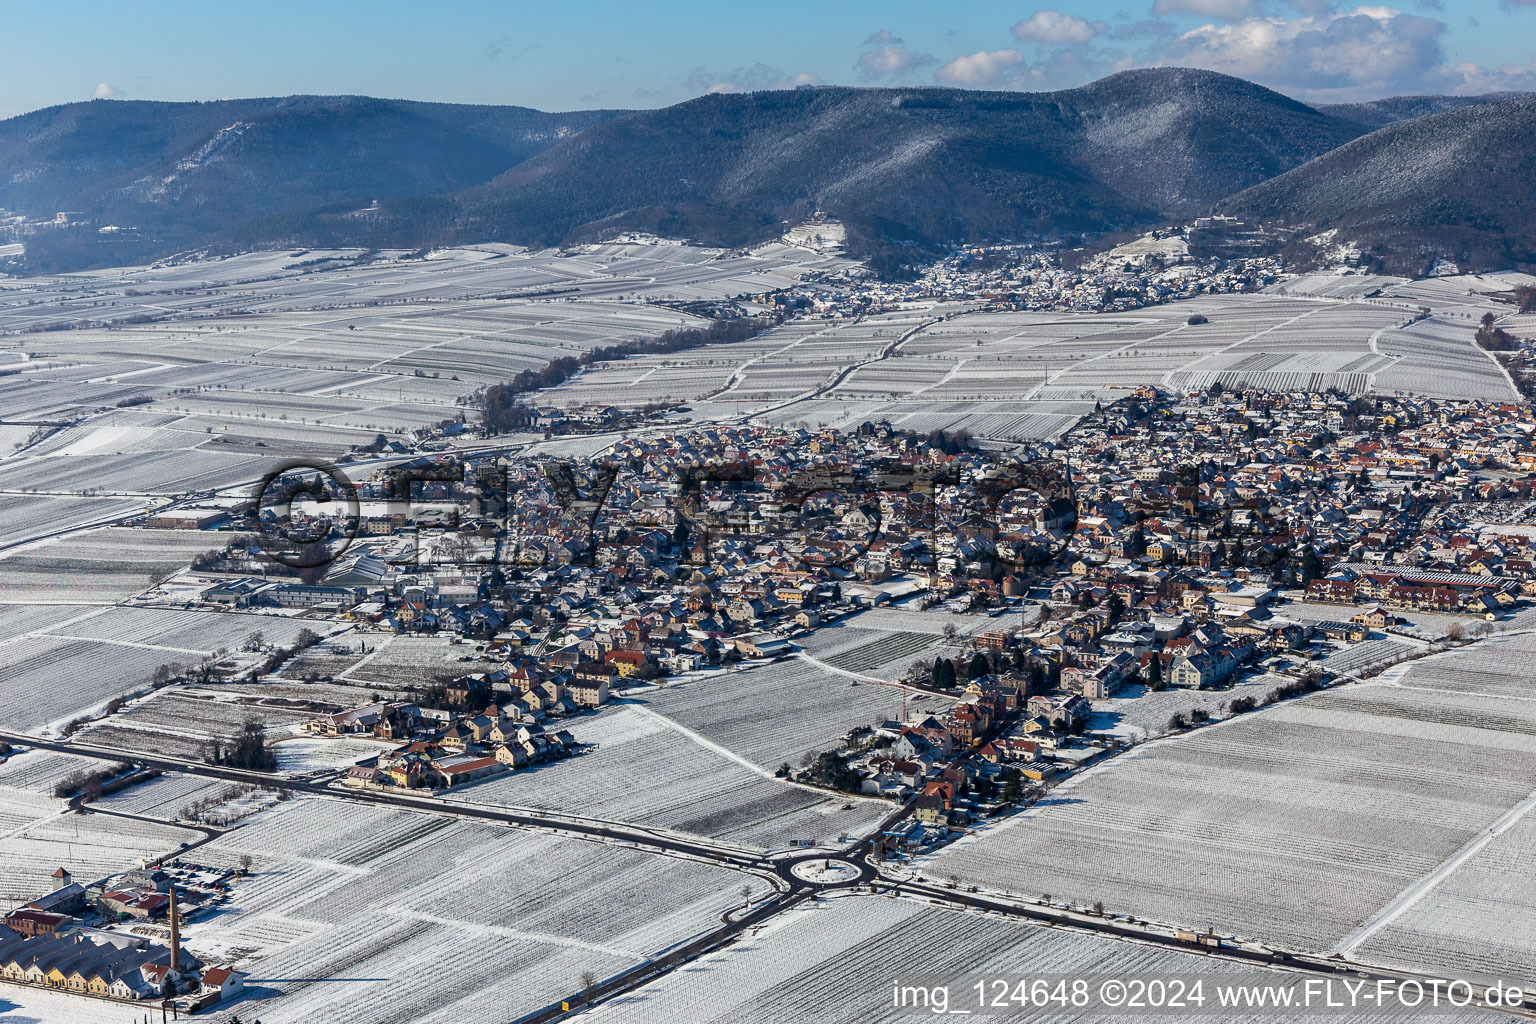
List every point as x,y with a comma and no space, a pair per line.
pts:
1372,618
929,815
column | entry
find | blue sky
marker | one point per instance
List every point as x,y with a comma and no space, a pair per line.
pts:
599,54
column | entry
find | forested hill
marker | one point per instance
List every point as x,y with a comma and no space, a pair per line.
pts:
906,169
1454,185
177,174
928,165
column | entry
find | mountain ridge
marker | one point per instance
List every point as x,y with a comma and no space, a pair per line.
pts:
136,163
1450,185
1024,163
908,170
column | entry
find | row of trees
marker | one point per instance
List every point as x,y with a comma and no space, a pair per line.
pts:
502,407
88,784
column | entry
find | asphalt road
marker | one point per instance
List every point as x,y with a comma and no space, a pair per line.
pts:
794,888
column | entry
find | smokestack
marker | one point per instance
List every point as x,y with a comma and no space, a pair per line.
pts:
175,933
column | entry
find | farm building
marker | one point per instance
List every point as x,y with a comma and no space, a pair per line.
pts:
80,963
192,518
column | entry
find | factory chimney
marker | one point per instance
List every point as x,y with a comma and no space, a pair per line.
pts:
175,932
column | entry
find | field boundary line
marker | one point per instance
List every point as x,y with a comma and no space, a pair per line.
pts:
1405,900
517,933
756,769
1167,378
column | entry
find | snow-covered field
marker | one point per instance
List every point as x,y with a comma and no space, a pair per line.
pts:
304,754
181,720
399,661
877,654
176,797
1295,824
1137,713
1479,921
836,962
1499,665
38,834
25,517
1017,376
645,770
777,712
897,647
1479,915
211,397
910,620
1370,655
62,666
346,900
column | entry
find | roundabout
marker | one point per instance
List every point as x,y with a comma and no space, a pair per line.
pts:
826,871
823,871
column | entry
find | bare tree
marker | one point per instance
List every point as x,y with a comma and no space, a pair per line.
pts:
588,985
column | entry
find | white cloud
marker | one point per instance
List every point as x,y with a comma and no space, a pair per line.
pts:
1364,53
1057,28
755,78
105,91
888,61
796,81
1226,10
996,69
1068,66
1471,79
